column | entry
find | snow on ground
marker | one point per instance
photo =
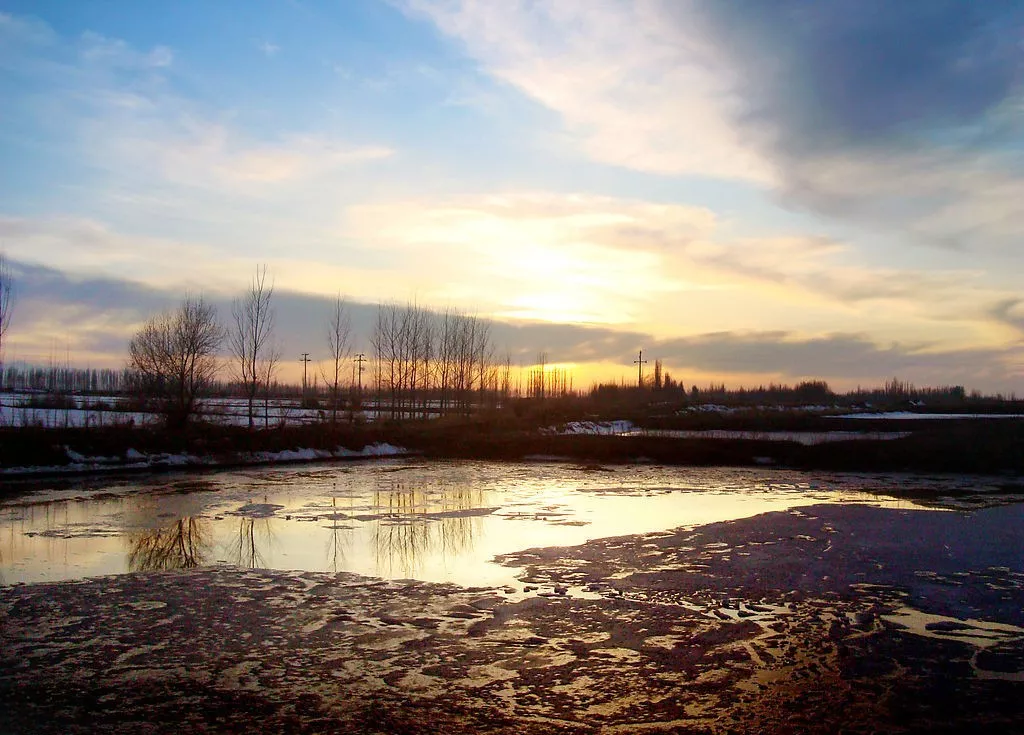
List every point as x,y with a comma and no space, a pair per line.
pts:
55,418
23,409
806,438
911,416
718,408
593,427
135,460
627,428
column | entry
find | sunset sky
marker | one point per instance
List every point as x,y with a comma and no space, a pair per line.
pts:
750,191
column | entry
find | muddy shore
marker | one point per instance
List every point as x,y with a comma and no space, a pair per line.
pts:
831,618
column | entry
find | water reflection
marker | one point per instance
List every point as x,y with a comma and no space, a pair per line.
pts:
338,540
183,544
435,521
252,532
418,521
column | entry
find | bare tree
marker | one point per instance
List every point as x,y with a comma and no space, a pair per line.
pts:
339,337
251,335
172,358
267,367
426,361
6,302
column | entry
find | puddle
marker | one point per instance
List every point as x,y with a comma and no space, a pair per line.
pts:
1000,647
396,519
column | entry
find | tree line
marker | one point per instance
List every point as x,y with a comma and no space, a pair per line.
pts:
423,362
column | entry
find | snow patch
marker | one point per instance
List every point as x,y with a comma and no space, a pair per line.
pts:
911,416
133,459
593,428
382,449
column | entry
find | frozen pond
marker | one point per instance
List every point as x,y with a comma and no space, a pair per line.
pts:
400,518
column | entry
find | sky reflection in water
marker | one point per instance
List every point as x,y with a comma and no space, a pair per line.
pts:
437,521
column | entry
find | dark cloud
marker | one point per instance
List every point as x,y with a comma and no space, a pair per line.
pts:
875,72
901,115
839,357
40,288
1009,313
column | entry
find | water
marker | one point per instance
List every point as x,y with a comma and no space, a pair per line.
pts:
402,518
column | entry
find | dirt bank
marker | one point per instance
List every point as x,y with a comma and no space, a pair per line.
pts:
834,618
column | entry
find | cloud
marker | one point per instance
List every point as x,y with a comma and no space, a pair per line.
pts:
1009,312
114,52
846,357
861,72
269,49
94,317
92,248
120,112
25,30
543,257
903,119
630,90
211,155
530,255
608,260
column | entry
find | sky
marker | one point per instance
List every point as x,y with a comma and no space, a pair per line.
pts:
751,191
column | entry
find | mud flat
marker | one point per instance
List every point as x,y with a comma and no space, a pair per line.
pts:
827,618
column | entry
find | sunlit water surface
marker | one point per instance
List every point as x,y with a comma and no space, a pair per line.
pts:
433,521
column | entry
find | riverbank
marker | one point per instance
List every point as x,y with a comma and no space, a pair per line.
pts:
818,620
976,446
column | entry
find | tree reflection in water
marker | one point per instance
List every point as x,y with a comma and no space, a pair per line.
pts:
418,521
247,550
183,544
337,541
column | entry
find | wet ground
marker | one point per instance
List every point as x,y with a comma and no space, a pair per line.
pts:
822,616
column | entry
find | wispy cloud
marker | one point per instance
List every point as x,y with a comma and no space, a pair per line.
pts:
631,90
904,119
531,255
97,49
93,249
120,107
25,30
268,49
209,154
606,260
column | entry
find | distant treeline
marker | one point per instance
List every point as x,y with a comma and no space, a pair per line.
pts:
449,363
894,392
63,379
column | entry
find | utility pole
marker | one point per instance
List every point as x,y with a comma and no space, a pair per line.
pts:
640,362
360,359
305,361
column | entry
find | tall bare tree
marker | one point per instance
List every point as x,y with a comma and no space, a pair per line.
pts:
173,358
339,344
6,301
268,366
251,338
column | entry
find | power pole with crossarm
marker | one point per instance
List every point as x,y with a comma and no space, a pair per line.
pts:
640,362
305,362
360,359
